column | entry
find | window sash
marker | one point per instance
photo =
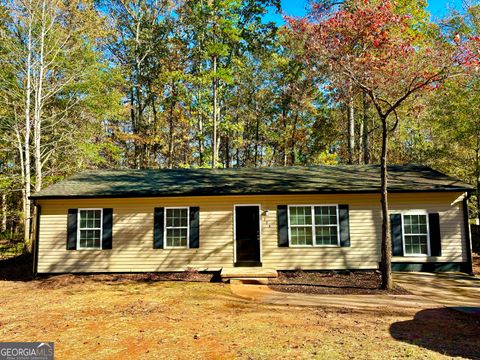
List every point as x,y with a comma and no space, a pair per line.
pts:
80,229
415,234
186,227
313,226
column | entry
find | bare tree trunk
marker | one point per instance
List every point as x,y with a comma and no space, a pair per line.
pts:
134,124
171,125
285,135
136,94
257,137
200,135
37,117
170,142
361,128
200,140
214,96
227,152
477,174
257,129
365,144
293,142
4,212
386,264
214,114
26,147
351,129
21,155
155,148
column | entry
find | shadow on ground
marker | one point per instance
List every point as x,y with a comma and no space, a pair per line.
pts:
17,268
443,330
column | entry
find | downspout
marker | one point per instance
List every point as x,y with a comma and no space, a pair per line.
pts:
468,242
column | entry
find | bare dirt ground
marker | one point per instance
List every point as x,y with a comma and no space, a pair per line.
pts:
108,317
358,283
184,316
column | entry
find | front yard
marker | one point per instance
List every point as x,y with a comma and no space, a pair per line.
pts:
112,317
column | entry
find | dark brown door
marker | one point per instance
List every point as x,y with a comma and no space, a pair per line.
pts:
247,235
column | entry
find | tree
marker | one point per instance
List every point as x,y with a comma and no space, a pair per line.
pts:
139,33
221,32
454,112
49,88
369,45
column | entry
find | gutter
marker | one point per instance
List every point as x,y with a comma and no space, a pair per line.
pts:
468,242
246,193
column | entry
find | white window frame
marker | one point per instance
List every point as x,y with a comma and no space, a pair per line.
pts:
313,226
78,229
414,212
176,227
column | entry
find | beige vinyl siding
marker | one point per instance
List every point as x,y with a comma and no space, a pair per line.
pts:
133,233
452,228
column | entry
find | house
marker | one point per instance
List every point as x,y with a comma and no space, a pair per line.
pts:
313,218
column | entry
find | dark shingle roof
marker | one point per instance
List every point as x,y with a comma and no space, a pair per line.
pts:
276,180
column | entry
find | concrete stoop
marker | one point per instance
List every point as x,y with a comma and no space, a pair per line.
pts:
251,281
248,275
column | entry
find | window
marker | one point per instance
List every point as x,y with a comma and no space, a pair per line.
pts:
176,227
90,228
415,234
313,225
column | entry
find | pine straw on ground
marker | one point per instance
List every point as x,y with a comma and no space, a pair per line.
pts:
65,280
116,317
351,283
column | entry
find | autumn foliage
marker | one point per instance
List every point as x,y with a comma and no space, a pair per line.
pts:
369,44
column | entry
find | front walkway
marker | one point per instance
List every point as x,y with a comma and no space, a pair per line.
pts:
429,290
454,290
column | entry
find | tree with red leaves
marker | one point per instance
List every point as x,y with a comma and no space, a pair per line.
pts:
374,48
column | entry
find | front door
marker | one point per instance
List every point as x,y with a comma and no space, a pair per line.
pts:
247,235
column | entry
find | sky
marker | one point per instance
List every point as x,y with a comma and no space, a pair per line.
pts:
438,8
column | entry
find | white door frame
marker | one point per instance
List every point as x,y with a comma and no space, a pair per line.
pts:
235,231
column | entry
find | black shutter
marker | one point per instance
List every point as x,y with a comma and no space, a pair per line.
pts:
158,228
435,241
344,225
194,241
396,234
107,228
72,229
282,220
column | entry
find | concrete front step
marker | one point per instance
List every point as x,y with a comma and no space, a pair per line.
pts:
247,273
253,281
